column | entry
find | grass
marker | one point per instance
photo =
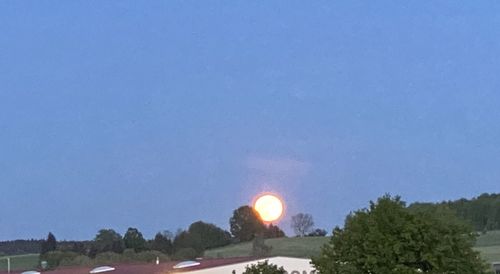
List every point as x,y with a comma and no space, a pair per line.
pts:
491,238
490,253
293,247
19,262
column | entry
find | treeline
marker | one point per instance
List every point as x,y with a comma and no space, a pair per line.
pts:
482,212
19,247
109,246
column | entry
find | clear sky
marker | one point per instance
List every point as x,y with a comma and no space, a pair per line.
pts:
156,114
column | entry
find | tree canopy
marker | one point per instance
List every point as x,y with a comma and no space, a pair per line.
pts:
133,239
163,242
108,240
201,236
387,238
50,244
245,224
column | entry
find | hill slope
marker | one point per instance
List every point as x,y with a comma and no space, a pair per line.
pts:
488,244
293,247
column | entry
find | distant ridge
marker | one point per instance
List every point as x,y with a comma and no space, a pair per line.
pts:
482,212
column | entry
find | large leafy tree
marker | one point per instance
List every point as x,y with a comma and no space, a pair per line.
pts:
201,236
205,235
246,224
387,238
264,268
108,240
133,239
163,242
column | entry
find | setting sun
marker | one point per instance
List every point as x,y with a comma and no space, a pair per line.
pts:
269,206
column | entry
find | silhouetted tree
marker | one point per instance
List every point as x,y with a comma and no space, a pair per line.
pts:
163,242
273,231
50,244
317,233
302,224
183,240
108,240
133,239
204,236
246,224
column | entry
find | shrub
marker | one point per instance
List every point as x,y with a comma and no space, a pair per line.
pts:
185,254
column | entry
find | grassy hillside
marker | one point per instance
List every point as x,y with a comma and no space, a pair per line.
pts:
294,247
489,239
20,262
488,244
490,253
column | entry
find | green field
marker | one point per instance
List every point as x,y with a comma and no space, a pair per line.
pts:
294,247
488,244
20,262
489,239
490,253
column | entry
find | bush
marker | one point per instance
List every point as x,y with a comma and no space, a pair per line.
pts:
264,268
80,260
107,258
185,254
54,258
150,256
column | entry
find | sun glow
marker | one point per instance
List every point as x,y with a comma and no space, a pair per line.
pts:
269,206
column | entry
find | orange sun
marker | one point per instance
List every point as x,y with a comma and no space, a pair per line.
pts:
269,206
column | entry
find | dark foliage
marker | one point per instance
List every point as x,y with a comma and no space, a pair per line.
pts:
48,245
133,239
483,212
317,233
201,236
264,268
107,240
246,224
273,231
389,239
163,242
19,247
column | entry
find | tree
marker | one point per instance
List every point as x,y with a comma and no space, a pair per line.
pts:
387,238
204,236
133,239
317,233
201,236
273,231
264,268
48,245
108,240
163,242
245,224
302,224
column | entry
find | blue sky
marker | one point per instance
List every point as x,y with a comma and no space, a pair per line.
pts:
156,114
